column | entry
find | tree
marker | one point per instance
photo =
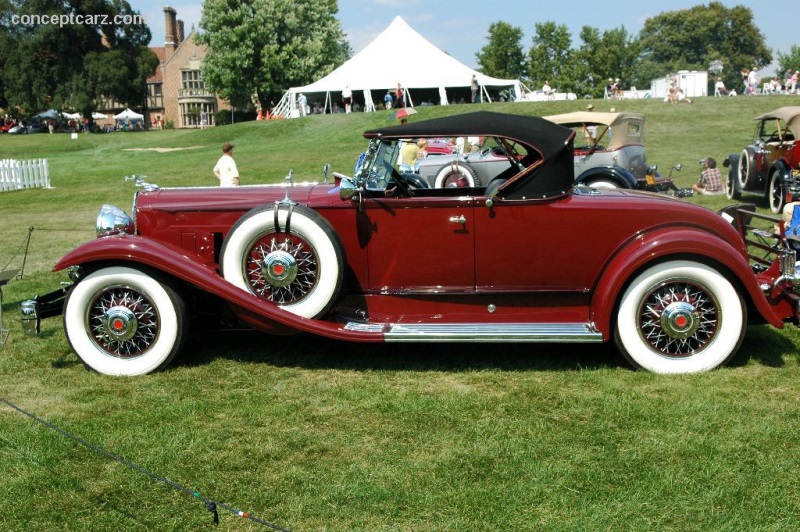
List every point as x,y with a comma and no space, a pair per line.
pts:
550,52
262,47
690,39
503,56
788,62
51,64
613,53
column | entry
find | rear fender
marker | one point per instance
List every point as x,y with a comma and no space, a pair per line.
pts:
660,245
132,250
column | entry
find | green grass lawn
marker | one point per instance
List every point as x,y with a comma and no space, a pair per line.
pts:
313,434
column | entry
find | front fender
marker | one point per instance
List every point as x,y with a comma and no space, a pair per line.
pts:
136,250
615,173
659,245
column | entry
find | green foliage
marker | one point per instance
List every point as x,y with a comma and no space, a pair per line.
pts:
691,39
503,57
261,47
790,62
70,65
550,51
610,54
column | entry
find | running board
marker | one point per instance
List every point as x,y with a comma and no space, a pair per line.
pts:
484,332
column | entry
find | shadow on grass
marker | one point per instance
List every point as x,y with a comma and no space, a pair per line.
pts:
762,345
308,351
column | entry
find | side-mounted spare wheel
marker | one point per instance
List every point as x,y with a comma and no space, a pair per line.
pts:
456,174
286,254
680,317
124,321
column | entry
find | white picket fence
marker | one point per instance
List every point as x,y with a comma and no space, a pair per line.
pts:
16,175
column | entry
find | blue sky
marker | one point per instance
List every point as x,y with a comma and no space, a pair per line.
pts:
461,27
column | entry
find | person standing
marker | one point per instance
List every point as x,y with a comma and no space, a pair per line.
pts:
474,88
302,103
347,98
225,169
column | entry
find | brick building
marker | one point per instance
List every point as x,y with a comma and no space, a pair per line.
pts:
176,93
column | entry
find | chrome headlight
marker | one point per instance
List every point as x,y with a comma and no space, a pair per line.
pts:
113,221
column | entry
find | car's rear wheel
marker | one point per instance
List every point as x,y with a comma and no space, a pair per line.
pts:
123,321
602,183
748,169
680,317
775,196
456,174
291,257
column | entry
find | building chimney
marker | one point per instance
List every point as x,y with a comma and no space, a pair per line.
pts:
180,35
170,31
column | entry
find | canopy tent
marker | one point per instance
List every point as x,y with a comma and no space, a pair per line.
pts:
71,116
378,67
128,114
101,116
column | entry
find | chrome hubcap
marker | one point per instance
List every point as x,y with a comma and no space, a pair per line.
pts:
120,324
279,268
680,320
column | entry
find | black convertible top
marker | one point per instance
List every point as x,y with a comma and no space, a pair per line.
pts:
553,175
544,136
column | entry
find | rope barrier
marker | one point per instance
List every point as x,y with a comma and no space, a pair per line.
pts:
25,244
210,505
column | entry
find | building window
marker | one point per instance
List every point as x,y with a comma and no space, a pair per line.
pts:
191,79
192,113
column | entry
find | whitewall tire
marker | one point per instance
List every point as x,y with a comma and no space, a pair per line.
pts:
680,317
122,321
300,270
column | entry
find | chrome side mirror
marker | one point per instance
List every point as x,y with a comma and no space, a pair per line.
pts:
348,190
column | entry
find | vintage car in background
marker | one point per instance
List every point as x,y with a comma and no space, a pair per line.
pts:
770,165
609,151
383,257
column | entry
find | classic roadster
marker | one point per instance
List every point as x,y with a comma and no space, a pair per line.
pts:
383,257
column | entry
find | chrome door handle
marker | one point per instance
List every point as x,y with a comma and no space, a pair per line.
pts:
460,219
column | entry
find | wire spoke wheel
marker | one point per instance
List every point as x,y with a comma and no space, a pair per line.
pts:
123,322
678,319
680,316
281,268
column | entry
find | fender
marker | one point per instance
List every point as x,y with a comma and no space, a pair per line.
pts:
172,261
615,173
660,244
783,167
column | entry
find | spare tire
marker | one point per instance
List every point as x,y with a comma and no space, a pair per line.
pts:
748,170
289,255
456,174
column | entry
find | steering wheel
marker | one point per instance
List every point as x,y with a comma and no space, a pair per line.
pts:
403,186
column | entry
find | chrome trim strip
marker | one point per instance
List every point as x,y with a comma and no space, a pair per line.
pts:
484,332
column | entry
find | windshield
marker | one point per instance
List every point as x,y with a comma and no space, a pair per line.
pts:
376,171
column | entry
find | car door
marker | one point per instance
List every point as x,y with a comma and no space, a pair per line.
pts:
419,244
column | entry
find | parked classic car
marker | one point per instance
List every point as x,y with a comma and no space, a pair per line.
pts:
609,151
377,257
770,165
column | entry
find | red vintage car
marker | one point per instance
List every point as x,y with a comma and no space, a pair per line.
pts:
381,257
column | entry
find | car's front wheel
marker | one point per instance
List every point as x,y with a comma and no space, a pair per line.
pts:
123,321
680,317
775,196
291,257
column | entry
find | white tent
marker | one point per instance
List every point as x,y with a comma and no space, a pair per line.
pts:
128,114
378,67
